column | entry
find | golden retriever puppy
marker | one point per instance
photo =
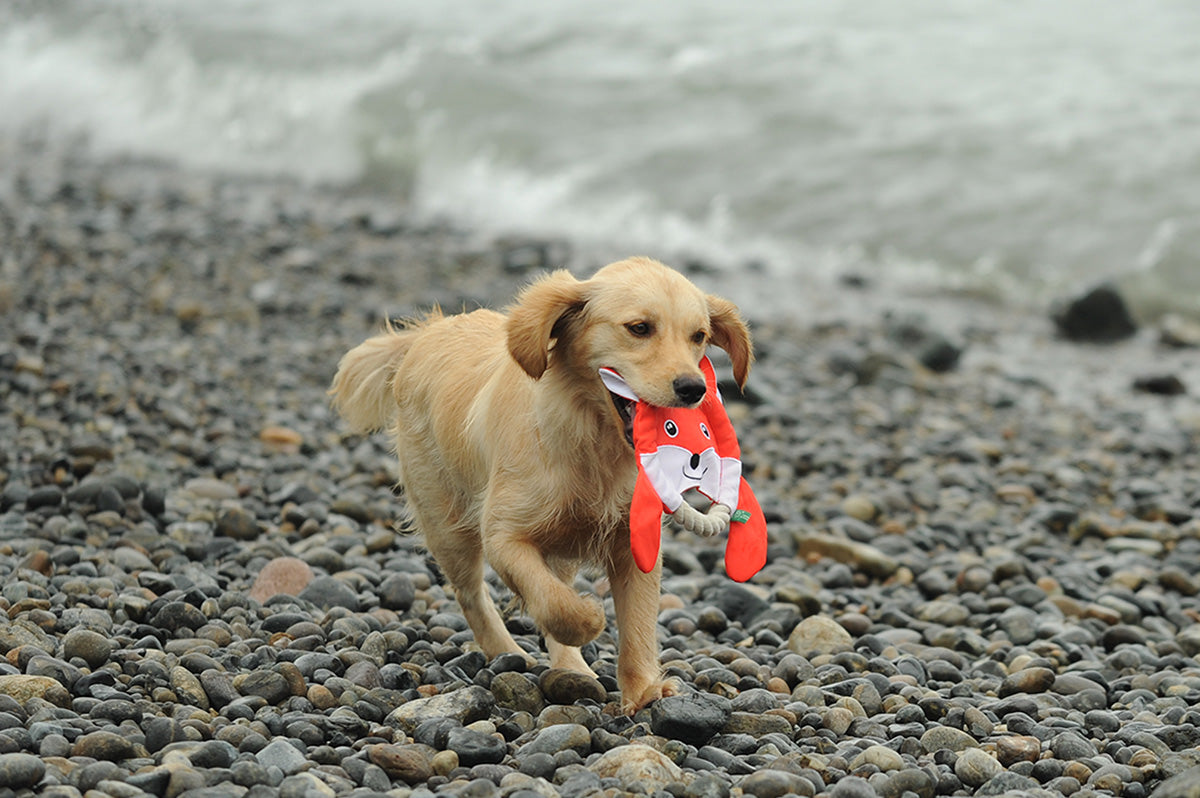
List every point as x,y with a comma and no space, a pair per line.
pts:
513,452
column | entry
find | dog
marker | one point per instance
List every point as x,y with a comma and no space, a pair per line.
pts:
513,452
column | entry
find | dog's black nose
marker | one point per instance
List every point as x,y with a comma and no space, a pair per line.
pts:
689,389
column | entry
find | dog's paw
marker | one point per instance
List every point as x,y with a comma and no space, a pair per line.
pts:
577,622
634,698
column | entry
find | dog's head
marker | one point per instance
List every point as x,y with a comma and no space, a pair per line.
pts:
637,317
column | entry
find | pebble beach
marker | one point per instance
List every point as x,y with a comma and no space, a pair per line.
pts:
976,584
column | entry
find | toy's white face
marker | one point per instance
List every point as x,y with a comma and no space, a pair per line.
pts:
688,469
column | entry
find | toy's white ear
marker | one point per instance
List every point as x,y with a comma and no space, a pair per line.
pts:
616,383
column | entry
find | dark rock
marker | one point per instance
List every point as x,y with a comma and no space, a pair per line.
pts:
692,719
476,747
161,732
176,615
269,685
21,771
737,602
1161,385
397,592
45,496
1099,316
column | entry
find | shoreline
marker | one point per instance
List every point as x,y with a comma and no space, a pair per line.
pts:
981,579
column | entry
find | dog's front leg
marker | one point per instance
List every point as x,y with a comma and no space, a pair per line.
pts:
561,613
635,598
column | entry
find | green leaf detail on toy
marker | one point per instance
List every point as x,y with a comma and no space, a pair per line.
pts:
740,516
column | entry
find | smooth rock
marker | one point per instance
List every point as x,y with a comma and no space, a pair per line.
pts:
819,634
974,766
692,718
637,765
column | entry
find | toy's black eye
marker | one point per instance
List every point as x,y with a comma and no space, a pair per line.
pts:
641,329
704,430
670,428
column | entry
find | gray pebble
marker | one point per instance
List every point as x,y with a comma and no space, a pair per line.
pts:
283,755
21,771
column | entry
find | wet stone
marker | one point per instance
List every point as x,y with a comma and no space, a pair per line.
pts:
104,745
21,771
475,747
561,686
692,719
409,763
327,591
268,685
775,784
555,739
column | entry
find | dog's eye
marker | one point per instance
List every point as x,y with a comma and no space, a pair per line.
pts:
641,329
699,337
670,428
704,430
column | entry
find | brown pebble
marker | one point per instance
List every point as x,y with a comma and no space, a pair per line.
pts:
39,561
1011,749
1078,771
669,601
412,764
777,685
281,439
321,697
283,575
562,686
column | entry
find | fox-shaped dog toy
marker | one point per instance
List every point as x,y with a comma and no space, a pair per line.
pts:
691,448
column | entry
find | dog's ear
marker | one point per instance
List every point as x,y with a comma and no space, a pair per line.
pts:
730,333
537,317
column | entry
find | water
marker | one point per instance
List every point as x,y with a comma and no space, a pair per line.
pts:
1016,151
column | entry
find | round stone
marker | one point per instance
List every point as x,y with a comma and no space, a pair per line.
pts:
974,766
880,756
106,745
946,737
21,771
562,686
90,646
819,634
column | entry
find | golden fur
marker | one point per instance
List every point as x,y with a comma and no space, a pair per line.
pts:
512,451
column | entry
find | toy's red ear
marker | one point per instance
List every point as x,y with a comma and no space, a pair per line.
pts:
645,523
730,333
746,549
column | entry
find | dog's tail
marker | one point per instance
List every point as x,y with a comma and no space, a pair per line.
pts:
362,387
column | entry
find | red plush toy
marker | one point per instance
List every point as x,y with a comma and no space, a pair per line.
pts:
681,449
